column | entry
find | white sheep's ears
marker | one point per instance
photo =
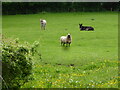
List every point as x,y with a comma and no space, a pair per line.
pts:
68,33
41,19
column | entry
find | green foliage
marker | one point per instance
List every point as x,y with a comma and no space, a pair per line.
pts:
17,62
13,8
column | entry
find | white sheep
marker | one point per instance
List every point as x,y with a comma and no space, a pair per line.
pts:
43,24
66,40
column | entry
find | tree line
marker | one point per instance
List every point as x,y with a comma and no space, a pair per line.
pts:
12,8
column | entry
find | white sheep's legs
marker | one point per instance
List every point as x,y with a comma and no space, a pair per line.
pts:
65,44
44,28
40,26
69,44
62,44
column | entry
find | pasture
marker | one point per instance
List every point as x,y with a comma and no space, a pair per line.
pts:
90,62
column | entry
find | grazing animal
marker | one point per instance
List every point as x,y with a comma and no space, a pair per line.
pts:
86,28
43,24
66,40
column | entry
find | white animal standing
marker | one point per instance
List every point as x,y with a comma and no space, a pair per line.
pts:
66,40
43,24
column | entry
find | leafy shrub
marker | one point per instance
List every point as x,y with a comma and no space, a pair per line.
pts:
17,62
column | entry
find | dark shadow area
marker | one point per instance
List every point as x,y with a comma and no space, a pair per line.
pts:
65,48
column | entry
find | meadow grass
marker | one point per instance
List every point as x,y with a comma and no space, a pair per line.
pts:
94,54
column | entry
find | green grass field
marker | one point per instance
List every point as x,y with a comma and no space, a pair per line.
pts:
93,53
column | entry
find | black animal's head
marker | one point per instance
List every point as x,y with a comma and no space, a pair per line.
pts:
80,25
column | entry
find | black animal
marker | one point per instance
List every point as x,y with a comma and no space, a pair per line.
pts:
86,28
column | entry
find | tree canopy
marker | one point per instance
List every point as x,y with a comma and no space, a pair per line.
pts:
13,8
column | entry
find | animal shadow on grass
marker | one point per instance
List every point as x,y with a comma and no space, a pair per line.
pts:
65,48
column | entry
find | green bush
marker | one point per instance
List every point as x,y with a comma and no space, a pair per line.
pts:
17,62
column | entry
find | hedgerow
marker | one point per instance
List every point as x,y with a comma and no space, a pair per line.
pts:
17,62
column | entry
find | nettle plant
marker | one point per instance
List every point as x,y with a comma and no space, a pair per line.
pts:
17,62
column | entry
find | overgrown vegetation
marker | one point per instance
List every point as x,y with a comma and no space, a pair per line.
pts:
86,76
17,61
